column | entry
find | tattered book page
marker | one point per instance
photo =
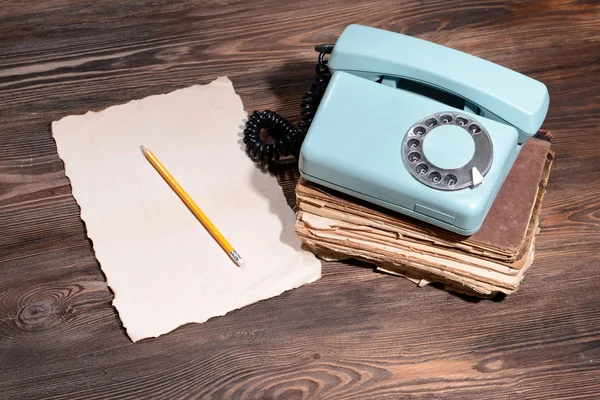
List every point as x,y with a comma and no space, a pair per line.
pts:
163,266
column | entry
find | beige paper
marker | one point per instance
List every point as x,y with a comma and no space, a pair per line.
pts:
162,265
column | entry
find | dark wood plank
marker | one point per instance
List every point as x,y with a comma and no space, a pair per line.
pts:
352,335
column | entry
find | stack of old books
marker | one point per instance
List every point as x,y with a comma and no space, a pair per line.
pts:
493,260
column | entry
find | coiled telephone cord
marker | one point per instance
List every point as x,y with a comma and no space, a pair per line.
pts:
286,138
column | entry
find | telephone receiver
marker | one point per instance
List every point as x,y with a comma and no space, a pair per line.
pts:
487,89
419,128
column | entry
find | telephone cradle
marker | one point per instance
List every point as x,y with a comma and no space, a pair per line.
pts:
418,128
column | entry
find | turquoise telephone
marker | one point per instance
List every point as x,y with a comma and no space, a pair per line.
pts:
409,125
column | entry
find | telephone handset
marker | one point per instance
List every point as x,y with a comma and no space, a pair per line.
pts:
491,90
409,125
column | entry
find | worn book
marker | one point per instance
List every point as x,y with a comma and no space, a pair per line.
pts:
493,260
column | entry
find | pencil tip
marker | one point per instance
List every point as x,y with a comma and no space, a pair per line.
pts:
143,149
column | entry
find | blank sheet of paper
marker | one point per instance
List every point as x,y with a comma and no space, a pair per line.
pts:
163,266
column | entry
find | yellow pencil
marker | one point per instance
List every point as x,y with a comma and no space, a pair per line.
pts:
193,207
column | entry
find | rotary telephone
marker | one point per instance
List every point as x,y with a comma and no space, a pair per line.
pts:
409,125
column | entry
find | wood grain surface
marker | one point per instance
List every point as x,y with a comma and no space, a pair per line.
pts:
354,334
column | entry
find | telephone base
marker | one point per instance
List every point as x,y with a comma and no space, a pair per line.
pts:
362,138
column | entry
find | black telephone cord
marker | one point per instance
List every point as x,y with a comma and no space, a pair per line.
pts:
287,139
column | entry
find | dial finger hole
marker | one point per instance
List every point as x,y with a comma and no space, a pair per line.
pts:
413,143
422,169
474,129
461,121
450,180
414,157
446,118
431,122
435,177
419,130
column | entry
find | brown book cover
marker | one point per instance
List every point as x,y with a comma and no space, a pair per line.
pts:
502,235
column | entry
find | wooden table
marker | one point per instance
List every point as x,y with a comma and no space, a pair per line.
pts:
354,334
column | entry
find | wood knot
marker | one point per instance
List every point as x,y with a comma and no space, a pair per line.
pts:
489,366
38,315
35,316
42,308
